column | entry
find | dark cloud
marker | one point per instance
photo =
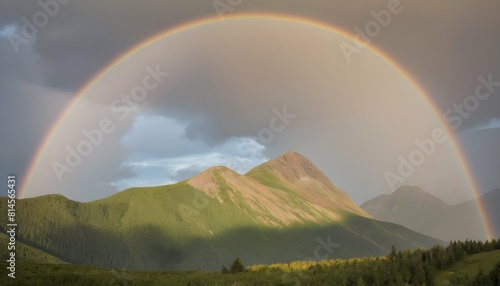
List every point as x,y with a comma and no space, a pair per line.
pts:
482,156
27,109
445,45
86,35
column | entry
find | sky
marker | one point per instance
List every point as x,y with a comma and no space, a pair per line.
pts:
220,86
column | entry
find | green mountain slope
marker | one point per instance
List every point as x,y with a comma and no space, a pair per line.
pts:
469,267
25,252
201,223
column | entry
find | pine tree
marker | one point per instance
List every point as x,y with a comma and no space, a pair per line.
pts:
392,255
237,266
495,275
451,255
495,244
488,246
459,251
224,269
419,275
360,281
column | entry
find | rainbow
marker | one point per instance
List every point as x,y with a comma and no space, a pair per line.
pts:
280,17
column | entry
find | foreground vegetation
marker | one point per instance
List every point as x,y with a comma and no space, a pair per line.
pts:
472,270
461,263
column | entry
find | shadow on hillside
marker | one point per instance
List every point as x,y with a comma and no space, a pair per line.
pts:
94,235
147,247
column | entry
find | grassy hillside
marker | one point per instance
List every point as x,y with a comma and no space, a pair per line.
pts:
287,212
26,253
469,267
145,229
34,274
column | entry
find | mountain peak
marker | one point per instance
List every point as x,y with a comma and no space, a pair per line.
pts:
410,206
292,154
408,188
416,194
207,181
294,171
214,171
293,166
218,169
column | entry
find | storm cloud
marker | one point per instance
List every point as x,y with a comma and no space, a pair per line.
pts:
445,46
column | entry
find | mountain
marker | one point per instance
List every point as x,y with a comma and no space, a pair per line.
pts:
281,211
294,172
408,206
425,213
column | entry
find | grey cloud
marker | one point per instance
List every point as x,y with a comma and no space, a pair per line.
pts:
86,35
27,109
457,48
445,54
188,172
482,156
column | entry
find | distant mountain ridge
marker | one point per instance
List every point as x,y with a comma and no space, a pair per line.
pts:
423,212
280,211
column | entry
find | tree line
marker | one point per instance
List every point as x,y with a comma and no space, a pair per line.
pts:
403,267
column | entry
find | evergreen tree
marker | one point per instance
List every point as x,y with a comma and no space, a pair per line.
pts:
419,275
392,255
495,275
488,246
494,244
237,266
459,251
224,269
451,255
467,246
360,281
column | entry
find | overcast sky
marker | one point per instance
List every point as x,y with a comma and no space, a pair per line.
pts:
226,81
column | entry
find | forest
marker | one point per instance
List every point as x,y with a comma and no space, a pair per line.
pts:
399,267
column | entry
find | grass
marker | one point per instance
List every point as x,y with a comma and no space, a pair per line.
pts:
469,267
373,270
33,274
26,252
